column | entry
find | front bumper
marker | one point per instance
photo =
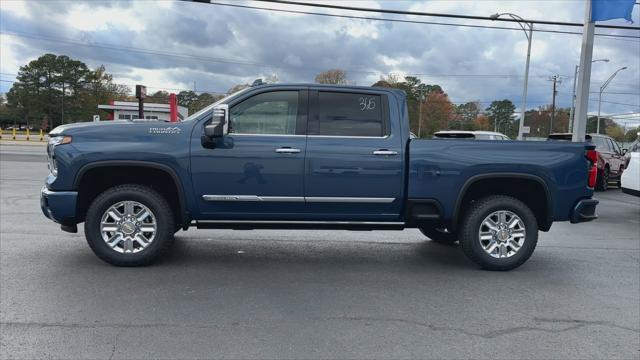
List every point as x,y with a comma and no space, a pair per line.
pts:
585,210
59,206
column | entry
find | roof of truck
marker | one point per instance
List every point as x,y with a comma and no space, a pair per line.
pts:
333,86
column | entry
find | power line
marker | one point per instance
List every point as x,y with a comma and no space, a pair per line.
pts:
234,61
612,36
455,16
616,103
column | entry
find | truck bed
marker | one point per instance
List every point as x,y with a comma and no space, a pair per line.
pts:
442,168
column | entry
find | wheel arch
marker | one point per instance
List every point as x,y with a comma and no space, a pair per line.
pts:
177,196
543,212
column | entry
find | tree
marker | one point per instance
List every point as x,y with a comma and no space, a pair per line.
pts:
482,123
605,123
187,99
465,114
616,132
203,100
500,112
159,97
631,135
6,117
333,76
60,90
100,89
437,112
417,92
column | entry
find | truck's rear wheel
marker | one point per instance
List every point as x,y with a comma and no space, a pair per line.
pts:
129,225
499,233
441,236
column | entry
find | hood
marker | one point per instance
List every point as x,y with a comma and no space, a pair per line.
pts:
69,129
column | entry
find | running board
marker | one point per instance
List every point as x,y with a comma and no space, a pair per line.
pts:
298,225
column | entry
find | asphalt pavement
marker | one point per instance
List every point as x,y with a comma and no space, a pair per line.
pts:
313,294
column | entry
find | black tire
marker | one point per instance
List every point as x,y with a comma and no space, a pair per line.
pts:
602,181
440,236
145,196
472,222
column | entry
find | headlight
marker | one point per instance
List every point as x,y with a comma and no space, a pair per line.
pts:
59,140
53,142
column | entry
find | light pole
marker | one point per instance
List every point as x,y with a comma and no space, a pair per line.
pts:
606,83
529,34
573,94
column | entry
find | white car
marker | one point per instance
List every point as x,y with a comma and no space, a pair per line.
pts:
463,134
631,176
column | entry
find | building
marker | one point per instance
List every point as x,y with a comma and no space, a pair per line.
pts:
128,110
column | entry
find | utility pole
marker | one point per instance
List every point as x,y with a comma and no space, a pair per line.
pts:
141,94
420,115
556,79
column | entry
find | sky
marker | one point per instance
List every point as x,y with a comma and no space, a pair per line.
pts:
185,46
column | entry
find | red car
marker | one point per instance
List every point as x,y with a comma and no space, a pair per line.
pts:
611,159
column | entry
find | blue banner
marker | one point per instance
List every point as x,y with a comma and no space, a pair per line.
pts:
602,10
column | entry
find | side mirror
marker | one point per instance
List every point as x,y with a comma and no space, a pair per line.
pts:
219,125
625,151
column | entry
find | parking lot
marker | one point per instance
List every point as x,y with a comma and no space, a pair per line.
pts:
312,294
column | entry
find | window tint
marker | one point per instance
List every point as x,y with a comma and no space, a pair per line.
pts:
267,113
347,114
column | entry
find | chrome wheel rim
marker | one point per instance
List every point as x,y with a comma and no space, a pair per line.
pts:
128,227
502,234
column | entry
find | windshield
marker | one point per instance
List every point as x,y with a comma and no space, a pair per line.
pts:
208,108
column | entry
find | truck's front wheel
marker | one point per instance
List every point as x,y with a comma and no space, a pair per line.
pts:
499,232
129,225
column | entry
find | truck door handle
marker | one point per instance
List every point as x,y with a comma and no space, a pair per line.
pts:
287,150
384,152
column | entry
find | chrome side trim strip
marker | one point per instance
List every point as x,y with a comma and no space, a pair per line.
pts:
349,200
349,137
265,135
298,222
297,199
252,198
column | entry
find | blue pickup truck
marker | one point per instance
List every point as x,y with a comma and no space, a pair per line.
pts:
309,157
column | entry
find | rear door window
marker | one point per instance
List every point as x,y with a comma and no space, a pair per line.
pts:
349,114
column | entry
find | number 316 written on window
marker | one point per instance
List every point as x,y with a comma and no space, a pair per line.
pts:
367,103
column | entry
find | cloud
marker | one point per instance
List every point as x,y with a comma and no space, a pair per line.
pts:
174,44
